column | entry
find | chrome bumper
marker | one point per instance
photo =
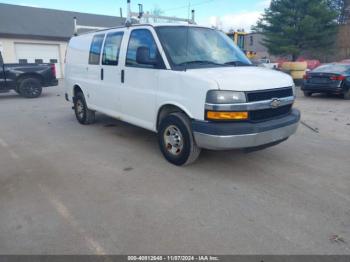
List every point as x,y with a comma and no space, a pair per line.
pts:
272,133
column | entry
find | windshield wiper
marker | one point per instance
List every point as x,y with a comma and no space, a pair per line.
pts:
236,63
200,62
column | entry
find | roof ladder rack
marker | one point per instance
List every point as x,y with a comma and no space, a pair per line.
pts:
147,16
86,27
130,19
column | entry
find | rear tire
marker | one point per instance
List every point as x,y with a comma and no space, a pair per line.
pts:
307,94
30,88
84,115
347,95
176,140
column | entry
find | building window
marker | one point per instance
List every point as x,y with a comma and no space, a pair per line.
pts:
39,61
53,61
23,61
251,40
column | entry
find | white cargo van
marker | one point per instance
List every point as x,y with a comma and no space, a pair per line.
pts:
189,84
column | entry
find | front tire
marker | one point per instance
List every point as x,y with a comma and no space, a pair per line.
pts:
176,140
84,115
30,88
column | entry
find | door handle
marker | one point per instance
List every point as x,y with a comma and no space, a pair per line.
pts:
102,74
123,76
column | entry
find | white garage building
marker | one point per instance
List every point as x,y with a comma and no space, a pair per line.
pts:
38,35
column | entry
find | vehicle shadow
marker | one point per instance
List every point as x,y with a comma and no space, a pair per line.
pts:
326,96
147,141
13,96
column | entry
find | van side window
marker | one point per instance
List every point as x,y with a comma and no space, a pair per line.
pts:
112,48
95,49
141,38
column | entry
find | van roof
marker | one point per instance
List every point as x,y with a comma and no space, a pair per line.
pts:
144,24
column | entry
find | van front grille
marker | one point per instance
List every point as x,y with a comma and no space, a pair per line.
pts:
269,94
266,114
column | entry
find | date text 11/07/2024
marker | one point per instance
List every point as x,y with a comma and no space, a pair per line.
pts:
173,258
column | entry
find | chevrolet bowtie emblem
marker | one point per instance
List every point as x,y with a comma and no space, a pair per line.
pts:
275,103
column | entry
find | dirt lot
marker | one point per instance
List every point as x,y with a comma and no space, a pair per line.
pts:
106,189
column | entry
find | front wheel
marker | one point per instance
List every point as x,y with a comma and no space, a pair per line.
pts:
176,140
30,88
84,115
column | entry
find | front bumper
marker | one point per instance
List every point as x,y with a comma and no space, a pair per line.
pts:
226,136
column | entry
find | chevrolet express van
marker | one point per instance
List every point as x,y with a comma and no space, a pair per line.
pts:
189,84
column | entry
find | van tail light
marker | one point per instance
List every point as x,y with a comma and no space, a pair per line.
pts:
53,70
338,78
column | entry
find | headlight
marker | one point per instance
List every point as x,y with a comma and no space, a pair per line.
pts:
225,97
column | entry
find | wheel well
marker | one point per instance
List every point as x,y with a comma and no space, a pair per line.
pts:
30,75
166,110
77,90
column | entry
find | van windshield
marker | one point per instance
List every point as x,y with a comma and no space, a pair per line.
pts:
196,47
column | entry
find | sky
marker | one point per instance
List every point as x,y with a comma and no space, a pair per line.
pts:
227,14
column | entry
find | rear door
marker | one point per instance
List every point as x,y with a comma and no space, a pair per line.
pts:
2,74
109,92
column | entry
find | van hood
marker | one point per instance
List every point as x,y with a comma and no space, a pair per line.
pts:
248,78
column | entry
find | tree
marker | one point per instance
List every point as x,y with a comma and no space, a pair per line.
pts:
291,27
342,7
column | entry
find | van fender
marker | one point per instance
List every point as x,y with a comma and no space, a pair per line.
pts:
173,104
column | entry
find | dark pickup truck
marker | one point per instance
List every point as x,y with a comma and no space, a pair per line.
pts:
26,79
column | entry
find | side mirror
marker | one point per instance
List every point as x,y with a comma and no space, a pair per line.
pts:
143,56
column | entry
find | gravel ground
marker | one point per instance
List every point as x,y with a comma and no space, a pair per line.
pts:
106,189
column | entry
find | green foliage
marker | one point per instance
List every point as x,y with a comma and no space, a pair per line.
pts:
342,8
291,27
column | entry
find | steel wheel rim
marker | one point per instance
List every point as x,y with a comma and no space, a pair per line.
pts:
80,109
173,140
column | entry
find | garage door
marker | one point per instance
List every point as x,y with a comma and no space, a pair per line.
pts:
39,53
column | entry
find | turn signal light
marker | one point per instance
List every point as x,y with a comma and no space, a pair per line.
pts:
211,115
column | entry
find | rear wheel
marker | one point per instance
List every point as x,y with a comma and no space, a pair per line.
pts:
84,115
347,95
30,88
176,140
307,93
